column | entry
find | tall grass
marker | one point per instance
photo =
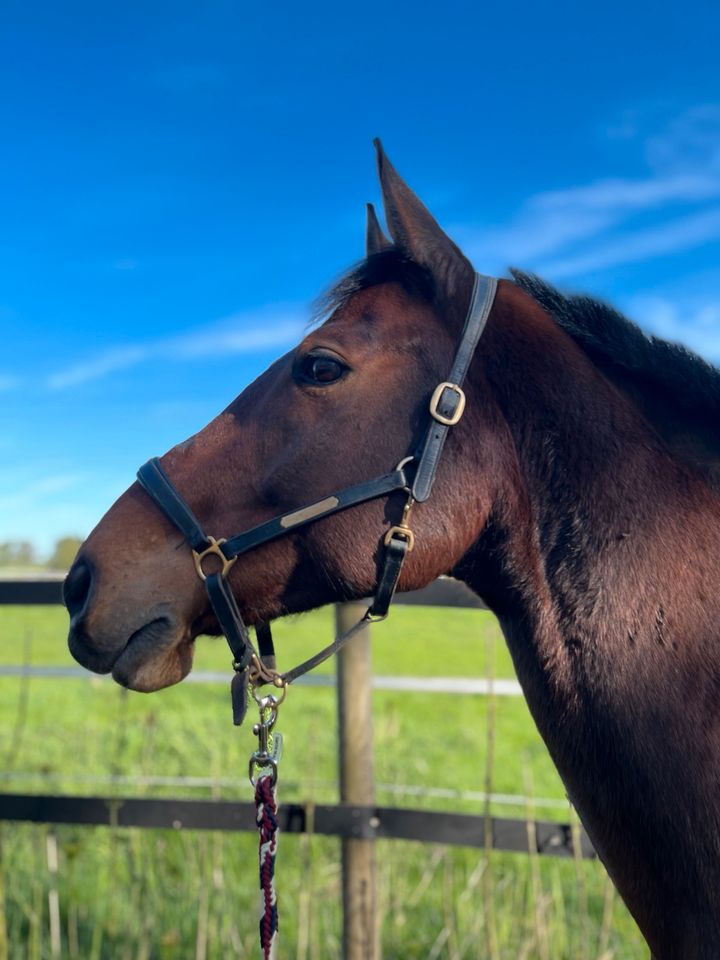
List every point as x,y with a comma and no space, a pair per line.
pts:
134,893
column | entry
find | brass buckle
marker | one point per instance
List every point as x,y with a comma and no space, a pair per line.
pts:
213,551
404,533
437,396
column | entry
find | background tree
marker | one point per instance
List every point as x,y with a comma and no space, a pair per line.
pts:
17,553
65,550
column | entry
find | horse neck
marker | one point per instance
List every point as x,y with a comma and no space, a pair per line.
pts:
600,560
598,526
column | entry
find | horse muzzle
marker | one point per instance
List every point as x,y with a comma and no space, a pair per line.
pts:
145,655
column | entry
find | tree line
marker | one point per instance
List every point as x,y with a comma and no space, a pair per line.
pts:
22,553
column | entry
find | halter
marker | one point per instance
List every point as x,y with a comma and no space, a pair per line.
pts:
414,475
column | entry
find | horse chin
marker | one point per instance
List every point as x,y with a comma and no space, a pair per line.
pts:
154,657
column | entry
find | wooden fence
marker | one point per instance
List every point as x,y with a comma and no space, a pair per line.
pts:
356,820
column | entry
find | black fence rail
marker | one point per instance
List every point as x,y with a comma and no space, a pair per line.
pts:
25,592
337,820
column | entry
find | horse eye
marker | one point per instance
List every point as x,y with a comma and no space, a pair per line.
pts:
321,369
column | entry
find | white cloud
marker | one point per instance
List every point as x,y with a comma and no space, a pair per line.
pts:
671,237
684,163
271,327
549,222
626,195
117,358
231,338
531,234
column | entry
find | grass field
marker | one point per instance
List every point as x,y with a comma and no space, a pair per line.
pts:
160,894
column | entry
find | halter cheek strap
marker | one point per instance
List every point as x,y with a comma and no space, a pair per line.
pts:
447,403
414,476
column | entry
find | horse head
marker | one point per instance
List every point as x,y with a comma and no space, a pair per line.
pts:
344,406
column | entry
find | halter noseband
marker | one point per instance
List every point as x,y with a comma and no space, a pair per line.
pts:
446,408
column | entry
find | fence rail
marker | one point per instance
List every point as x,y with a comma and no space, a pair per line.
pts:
337,820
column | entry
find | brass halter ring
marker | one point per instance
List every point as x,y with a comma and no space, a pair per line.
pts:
259,674
212,551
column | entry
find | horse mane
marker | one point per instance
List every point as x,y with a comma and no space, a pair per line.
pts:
676,390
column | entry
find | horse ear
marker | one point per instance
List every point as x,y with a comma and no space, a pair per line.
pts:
375,239
418,235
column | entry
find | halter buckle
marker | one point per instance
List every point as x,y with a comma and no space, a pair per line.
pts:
437,396
404,533
402,530
212,551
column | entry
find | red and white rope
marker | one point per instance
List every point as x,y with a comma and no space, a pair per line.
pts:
267,821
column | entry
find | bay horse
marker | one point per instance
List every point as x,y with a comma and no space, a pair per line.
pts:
578,495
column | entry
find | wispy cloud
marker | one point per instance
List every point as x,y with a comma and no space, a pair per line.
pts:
233,338
600,219
671,237
271,327
95,368
627,195
549,222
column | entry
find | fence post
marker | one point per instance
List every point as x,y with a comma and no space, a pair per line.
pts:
357,786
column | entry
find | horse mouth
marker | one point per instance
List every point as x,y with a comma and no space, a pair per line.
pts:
154,657
157,655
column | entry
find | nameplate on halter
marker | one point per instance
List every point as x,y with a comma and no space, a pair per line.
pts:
307,513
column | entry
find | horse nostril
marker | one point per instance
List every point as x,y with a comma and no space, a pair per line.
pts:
76,587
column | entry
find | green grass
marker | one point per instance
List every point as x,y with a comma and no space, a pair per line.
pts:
159,894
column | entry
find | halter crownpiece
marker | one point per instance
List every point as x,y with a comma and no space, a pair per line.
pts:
414,475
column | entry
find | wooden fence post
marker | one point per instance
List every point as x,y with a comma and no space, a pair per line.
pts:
357,786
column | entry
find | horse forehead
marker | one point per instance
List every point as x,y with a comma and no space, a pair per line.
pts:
379,311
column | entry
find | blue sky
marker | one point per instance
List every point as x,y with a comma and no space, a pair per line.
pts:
178,181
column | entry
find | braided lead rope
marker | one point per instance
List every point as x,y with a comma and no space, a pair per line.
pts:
267,822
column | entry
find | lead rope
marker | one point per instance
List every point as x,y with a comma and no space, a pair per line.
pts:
266,818
263,776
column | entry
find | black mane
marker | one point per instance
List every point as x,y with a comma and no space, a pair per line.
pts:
677,390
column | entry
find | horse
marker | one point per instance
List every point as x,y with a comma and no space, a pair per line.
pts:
578,495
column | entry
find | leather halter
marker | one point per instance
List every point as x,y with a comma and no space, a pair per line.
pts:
414,475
